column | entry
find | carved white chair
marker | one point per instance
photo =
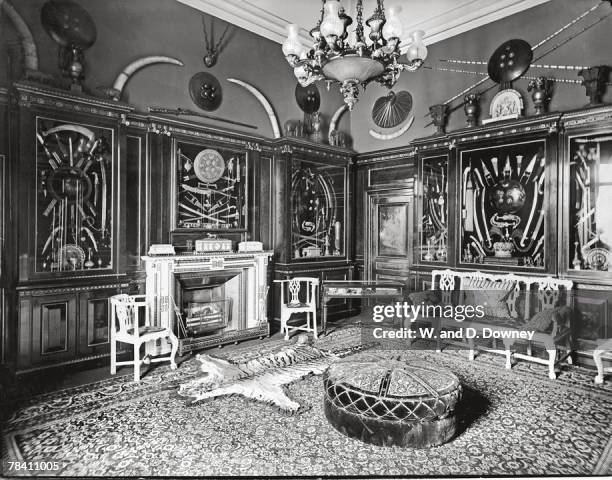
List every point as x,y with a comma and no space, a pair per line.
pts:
600,351
299,295
126,328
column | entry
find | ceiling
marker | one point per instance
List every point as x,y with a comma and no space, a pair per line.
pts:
440,19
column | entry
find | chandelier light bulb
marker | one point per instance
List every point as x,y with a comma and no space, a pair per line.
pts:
417,51
332,24
393,26
293,45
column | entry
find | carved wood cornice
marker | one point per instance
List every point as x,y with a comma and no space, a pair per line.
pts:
306,147
34,95
41,292
586,117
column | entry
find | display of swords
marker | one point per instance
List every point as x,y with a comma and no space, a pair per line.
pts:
214,205
316,223
74,171
435,209
590,195
503,207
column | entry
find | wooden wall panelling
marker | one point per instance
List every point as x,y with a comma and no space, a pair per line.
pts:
4,197
290,153
136,197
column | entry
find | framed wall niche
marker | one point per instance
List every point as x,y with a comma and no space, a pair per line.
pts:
210,188
318,210
589,240
433,210
503,202
75,176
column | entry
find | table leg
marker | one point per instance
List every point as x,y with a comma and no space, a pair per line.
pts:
324,316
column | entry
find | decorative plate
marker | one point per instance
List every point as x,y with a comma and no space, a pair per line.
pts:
597,258
506,103
208,165
72,256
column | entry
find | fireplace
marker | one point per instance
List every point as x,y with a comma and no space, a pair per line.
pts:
208,303
208,299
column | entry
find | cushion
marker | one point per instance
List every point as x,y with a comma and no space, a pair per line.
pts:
490,294
543,320
427,297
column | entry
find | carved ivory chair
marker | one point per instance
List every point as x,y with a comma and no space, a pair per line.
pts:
299,295
127,329
515,302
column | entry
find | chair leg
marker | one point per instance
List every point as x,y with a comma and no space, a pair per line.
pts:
314,324
284,327
597,354
552,355
175,345
113,356
137,362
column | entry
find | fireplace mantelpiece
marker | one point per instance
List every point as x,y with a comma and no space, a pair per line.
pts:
248,295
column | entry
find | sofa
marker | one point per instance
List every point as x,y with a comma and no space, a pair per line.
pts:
513,307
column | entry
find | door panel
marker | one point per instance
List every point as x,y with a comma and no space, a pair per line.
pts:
390,220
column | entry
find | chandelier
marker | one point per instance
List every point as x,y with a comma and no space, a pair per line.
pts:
353,63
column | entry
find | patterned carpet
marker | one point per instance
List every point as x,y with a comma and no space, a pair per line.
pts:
514,422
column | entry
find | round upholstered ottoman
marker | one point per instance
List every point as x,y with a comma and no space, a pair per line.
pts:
391,402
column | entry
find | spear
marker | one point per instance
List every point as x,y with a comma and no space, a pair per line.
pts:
190,113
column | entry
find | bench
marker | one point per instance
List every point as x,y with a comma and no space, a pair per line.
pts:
511,303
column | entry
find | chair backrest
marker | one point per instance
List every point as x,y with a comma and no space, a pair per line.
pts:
123,307
296,285
533,294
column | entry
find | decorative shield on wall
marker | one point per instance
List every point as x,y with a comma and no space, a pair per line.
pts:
205,91
392,109
308,98
68,24
209,165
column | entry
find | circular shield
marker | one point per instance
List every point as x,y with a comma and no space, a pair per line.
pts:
68,24
392,109
208,166
511,59
205,91
307,98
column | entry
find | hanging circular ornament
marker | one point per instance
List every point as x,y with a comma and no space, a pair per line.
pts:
510,61
208,166
308,98
205,91
392,109
68,24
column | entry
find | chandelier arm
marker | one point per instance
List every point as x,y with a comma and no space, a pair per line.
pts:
359,29
322,12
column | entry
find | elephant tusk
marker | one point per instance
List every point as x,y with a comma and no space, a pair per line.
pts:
73,128
264,102
124,76
30,52
390,136
333,124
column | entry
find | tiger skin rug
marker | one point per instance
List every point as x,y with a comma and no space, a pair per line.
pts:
262,379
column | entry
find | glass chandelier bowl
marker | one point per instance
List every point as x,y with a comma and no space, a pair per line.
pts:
355,63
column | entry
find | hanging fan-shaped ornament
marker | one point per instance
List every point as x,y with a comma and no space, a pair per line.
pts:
391,110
